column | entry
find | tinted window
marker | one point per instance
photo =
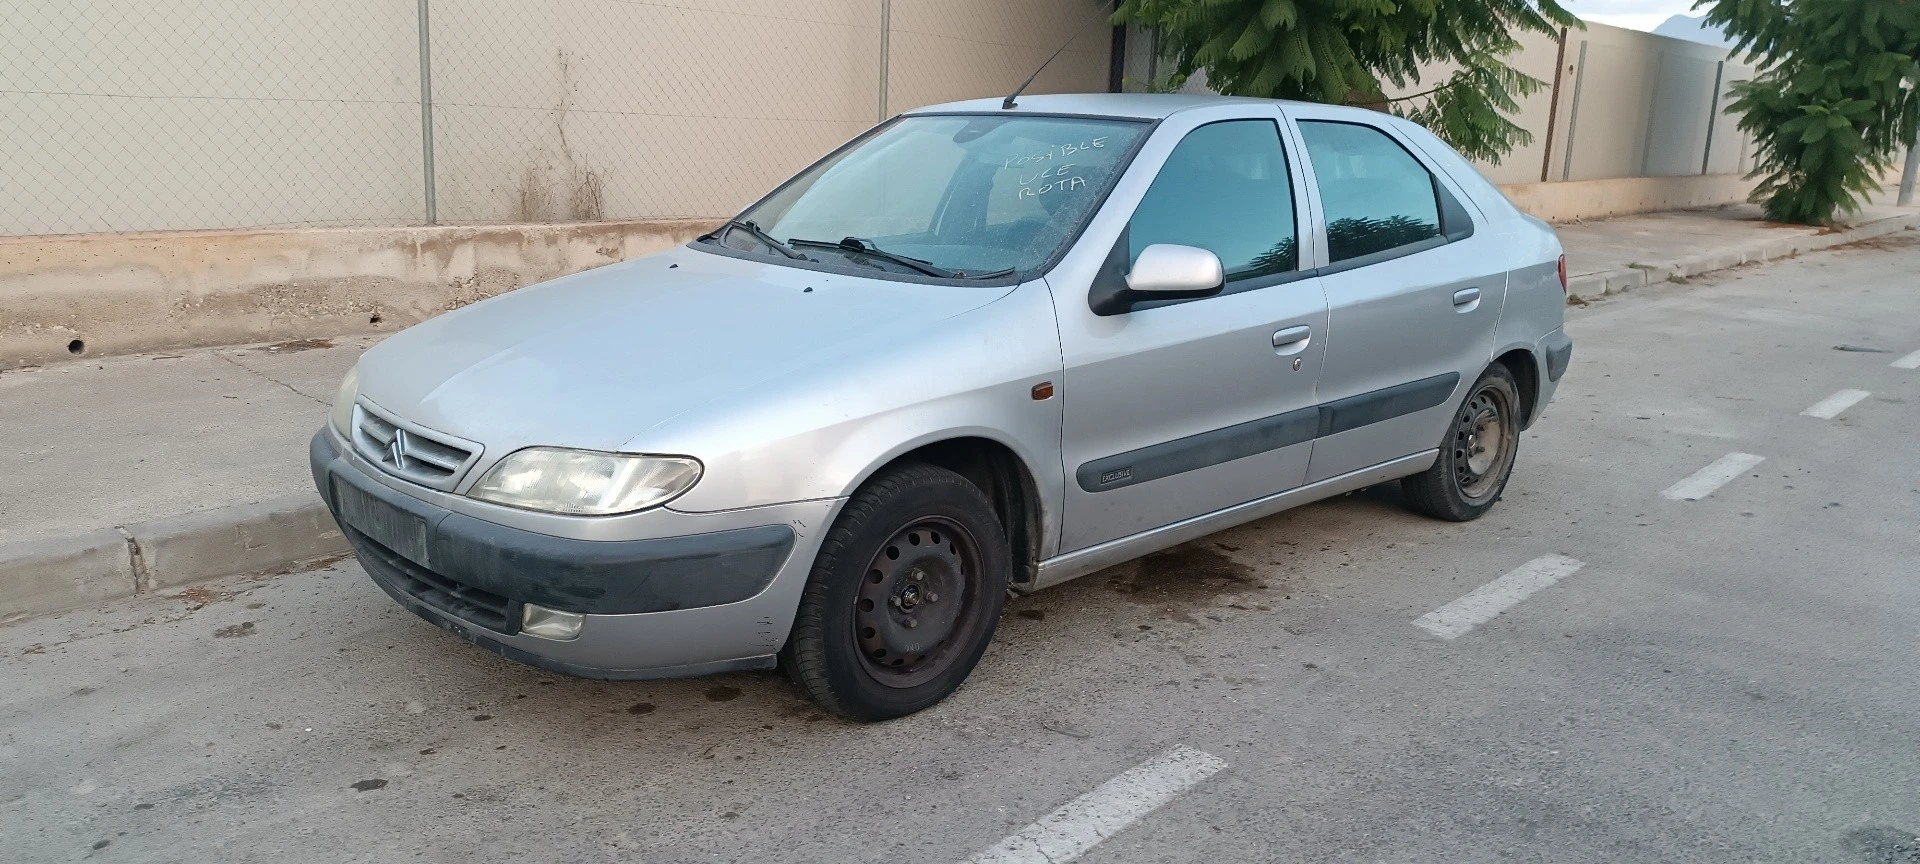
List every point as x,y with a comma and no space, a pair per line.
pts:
1224,189
1376,195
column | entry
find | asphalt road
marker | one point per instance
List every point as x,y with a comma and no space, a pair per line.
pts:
1732,678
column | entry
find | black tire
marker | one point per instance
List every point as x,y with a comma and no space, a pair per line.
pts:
1471,473
942,560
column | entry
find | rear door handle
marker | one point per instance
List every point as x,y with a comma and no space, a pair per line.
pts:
1292,340
1466,296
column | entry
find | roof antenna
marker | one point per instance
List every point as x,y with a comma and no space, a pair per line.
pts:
1008,104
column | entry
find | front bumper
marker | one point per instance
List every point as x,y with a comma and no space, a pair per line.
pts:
688,594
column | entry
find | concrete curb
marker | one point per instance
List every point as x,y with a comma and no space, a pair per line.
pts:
1592,286
38,576
237,541
52,575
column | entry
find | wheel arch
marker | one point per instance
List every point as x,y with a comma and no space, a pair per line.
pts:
1000,472
1525,366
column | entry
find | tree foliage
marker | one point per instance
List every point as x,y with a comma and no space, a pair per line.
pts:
1346,51
1833,101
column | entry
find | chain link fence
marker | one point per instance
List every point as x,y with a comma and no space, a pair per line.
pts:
216,113
192,114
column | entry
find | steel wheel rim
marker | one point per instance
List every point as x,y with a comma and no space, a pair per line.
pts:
918,605
1483,442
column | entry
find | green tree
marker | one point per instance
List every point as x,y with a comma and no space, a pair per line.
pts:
1833,101
1345,51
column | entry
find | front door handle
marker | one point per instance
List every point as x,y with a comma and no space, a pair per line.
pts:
1466,297
1292,340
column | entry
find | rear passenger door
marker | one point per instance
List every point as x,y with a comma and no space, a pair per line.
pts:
1413,290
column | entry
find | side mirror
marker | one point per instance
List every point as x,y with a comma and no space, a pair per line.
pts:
1166,272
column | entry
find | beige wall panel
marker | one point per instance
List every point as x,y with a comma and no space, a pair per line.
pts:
195,113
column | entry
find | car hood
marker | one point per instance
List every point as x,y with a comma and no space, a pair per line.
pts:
595,359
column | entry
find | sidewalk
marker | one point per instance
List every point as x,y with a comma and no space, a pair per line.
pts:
134,474
1613,255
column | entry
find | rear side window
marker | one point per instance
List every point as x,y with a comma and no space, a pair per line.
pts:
1225,188
1377,197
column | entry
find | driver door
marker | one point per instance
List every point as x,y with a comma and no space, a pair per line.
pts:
1174,409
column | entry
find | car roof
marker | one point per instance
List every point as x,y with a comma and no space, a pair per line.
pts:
1147,106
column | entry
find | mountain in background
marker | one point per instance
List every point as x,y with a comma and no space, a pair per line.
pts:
1693,29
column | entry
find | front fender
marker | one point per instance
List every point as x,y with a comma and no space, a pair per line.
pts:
820,433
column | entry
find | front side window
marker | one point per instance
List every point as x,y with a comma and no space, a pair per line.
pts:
1225,189
1376,196
966,196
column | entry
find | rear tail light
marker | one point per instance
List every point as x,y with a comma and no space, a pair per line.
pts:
1563,274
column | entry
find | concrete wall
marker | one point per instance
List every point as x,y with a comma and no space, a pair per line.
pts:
590,109
946,51
1536,114
1638,105
1620,104
1579,200
207,113
123,293
200,114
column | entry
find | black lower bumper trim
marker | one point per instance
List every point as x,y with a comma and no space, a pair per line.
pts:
480,637
1559,350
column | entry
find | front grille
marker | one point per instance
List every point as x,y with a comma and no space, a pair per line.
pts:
410,451
470,604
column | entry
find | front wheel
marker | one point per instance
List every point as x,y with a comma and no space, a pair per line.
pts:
1477,457
903,598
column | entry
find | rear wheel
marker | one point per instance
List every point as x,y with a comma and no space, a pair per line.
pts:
1477,457
903,598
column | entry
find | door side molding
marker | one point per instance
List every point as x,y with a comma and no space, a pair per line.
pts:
1061,568
1253,437
1353,412
1199,451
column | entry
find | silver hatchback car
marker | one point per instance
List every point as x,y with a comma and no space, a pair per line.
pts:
976,349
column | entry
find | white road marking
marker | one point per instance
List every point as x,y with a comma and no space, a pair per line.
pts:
1911,361
1493,598
1702,482
1830,407
1080,824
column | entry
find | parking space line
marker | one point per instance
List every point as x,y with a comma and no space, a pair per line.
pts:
1080,824
1483,603
1703,482
1911,361
1830,407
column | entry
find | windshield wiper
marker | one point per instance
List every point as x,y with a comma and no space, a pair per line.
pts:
748,226
866,247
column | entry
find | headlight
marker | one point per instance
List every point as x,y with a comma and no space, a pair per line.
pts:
585,483
343,402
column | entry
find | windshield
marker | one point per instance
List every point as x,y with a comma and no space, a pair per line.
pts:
968,196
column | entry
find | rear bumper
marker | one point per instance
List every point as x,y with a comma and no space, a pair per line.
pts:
701,593
1556,353
1557,348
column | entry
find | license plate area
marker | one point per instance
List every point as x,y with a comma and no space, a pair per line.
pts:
402,532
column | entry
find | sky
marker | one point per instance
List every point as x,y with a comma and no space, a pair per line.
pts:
1633,14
